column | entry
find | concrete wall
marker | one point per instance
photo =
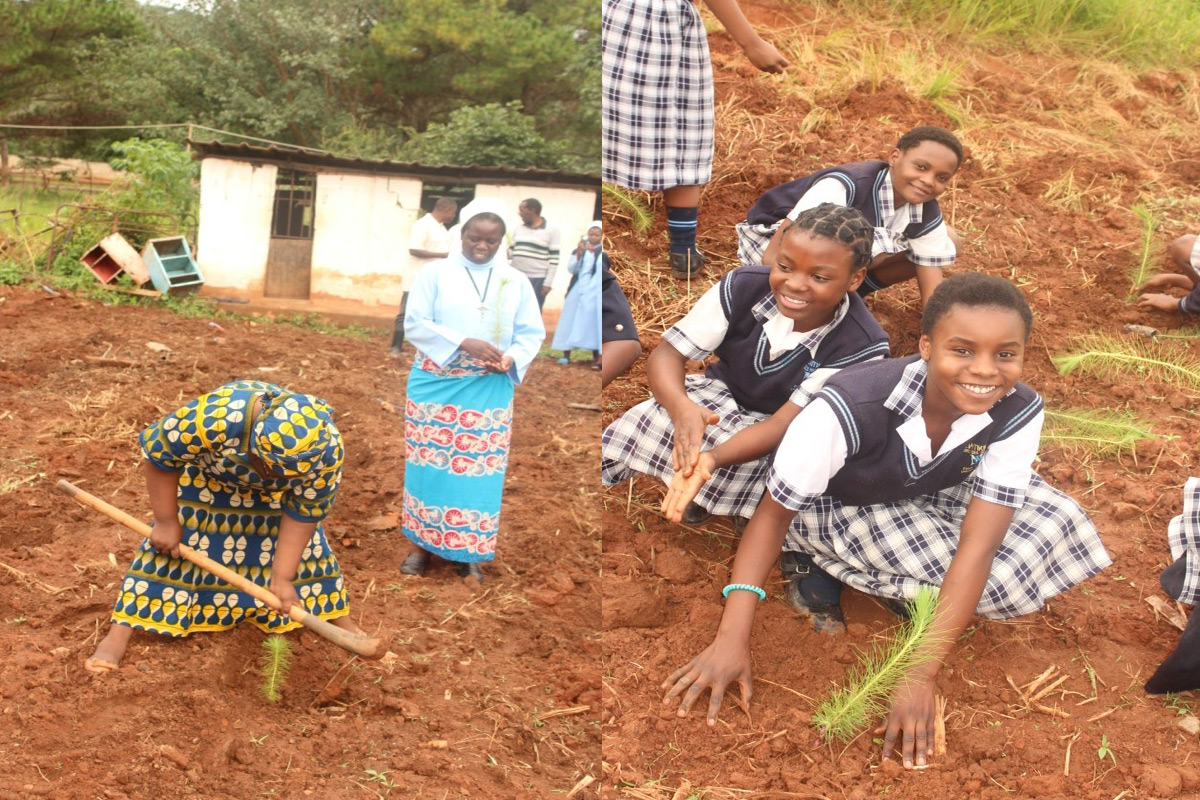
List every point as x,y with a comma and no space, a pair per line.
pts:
235,222
360,236
361,225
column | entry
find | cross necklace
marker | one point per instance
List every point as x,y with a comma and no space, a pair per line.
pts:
483,294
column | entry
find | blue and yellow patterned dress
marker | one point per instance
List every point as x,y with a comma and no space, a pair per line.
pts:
230,513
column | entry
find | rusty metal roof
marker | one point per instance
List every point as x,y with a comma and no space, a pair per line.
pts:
309,157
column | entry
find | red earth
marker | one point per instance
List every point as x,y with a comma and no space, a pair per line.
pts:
488,693
1098,735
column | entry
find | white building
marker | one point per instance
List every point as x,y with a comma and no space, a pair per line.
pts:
298,224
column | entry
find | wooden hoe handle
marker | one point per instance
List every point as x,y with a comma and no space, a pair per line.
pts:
358,644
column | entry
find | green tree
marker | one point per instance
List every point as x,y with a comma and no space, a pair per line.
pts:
47,48
162,176
490,135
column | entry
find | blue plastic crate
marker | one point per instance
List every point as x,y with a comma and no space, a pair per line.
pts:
171,266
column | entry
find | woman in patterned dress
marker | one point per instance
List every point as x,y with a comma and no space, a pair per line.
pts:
243,474
476,326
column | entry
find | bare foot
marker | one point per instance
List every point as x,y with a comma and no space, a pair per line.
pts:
110,650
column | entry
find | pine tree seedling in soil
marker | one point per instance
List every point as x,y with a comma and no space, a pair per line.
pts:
1119,357
639,213
276,661
1101,432
1141,271
869,685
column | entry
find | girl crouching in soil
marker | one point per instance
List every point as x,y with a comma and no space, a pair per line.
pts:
903,473
244,475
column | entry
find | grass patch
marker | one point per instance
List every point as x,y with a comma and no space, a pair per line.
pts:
1101,432
1119,358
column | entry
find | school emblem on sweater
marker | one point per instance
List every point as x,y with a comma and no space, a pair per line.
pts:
975,451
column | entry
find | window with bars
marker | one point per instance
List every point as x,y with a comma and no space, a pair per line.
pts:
294,191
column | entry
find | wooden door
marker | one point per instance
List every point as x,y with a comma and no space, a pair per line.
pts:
289,256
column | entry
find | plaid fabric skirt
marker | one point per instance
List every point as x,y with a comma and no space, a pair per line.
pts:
891,549
753,241
641,440
657,100
1183,537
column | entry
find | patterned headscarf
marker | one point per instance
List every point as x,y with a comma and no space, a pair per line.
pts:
295,433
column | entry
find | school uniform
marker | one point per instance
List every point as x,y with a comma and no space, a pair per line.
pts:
615,314
657,98
1180,671
866,186
763,364
880,512
1190,303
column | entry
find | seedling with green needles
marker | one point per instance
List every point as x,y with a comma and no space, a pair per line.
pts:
276,661
638,212
1141,270
1100,432
1115,357
846,711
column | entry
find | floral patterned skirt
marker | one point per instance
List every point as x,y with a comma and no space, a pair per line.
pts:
457,430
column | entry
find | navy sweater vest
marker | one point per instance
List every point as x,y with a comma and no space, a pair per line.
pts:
879,468
862,180
756,382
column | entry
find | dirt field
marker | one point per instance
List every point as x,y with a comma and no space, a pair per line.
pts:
494,694
1059,151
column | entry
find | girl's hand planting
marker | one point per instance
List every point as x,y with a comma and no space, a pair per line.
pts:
690,420
684,488
720,664
911,718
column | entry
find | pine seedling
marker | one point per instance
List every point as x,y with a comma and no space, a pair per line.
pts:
276,661
1141,271
638,211
846,711
498,324
1101,432
1116,357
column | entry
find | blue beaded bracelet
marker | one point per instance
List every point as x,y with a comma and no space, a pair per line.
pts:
746,587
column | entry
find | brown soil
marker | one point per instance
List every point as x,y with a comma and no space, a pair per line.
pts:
662,581
492,693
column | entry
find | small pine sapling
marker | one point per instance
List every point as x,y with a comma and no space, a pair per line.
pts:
847,711
1101,432
638,212
276,661
1118,357
498,323
1141,270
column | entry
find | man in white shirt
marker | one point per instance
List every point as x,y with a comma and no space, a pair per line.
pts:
427,241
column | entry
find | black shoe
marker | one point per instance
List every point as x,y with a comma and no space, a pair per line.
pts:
689,263
695,514
416,563
813,593
471,570
1172,577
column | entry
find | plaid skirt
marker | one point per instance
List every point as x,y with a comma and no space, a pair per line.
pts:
641,440
753,241
892,548
1183,537
657,99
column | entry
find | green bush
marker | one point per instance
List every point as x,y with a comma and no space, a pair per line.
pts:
491,135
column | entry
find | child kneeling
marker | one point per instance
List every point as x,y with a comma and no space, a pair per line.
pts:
779,332
911,472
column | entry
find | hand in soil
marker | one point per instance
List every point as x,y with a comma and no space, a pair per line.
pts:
911,717
719,665
166,536
110,650
1162,302
689,423
684,488
763,55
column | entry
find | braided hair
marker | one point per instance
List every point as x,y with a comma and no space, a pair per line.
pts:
841,224
974,290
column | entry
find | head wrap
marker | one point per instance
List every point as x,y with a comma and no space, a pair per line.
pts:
295,434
